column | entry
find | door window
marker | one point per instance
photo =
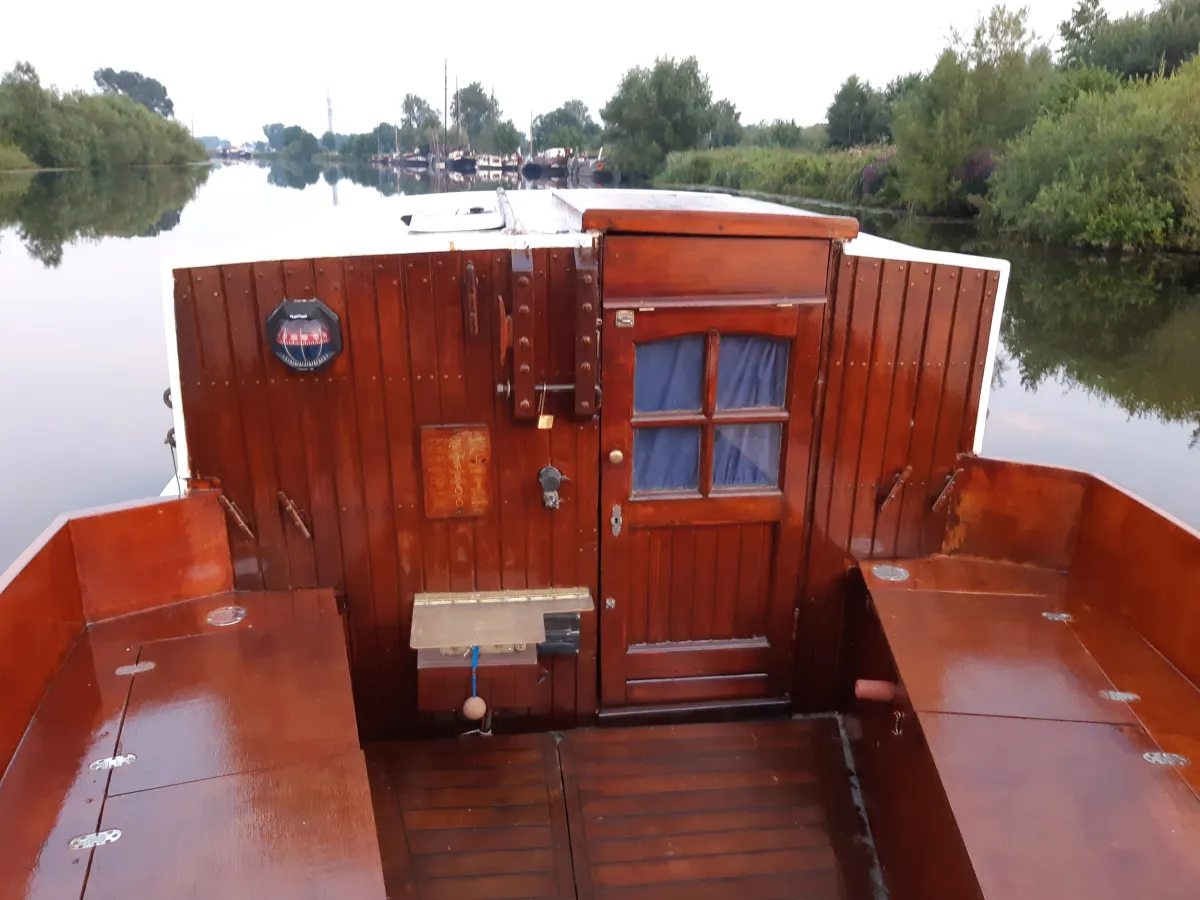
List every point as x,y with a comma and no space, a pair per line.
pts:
708,413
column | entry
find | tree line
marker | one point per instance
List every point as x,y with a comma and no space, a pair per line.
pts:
1098,146
128,123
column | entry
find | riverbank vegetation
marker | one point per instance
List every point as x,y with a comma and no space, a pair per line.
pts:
1097,147
127,124
52,210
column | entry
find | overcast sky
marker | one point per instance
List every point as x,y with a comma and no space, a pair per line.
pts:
231,67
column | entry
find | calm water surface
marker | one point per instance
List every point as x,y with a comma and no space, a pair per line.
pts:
1100,367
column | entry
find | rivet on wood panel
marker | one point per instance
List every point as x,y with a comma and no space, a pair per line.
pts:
875,265
523,308
524,368
587,279
927,270
587,307
199,278
524,404
586,340
259,274
439,262
523,281
321,271
585,366
424,279
524,342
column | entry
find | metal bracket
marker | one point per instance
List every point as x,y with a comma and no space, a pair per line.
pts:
112,762
1057,616
1166,759
1120,696
294,514
587,330
894,491
236,515
95,839
616,521
945,494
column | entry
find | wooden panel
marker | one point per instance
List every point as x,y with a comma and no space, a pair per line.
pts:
41,615
180,546
473,817
247,698
653,267
897,776
216,350
345,444
680,661
755,808
301,831
993,654
1035,798
687,212
685,690
49,795
508,688
904,342
1166,703
1137,562
971,575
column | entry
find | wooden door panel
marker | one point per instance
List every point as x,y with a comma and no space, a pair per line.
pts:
699,578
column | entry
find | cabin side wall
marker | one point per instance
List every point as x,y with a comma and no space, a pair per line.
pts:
336,453
908,351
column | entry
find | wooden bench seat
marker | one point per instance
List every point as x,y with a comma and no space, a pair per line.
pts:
247,778
1035,773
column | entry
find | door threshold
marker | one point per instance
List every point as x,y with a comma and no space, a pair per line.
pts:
701,711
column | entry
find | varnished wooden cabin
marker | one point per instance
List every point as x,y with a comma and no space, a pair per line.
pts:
687,486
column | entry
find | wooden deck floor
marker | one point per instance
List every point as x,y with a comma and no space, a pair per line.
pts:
742,810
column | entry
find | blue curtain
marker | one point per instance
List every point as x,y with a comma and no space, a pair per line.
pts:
669,375
666,459
746,455
751,371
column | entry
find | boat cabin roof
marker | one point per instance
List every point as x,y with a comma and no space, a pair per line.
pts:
567,218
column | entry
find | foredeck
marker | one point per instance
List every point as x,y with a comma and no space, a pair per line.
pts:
749,810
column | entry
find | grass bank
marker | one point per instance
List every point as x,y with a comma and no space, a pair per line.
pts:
863,176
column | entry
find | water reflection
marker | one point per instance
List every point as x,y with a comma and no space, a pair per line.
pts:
1097,369
55,209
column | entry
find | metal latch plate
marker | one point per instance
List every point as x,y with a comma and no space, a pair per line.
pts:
112,762
96,839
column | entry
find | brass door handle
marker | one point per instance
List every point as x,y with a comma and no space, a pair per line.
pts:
616,457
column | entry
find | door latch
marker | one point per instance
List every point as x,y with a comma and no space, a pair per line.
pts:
616,521
551,480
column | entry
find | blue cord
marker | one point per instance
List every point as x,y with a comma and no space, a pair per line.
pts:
474,667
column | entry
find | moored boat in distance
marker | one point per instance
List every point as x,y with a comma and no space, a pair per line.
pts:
489,162
468,478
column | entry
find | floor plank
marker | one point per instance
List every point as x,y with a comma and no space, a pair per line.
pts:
754,811
748,810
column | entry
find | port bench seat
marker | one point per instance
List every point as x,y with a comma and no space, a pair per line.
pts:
1041,726
218,737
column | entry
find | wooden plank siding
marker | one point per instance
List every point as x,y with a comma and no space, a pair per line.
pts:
343,445
906,354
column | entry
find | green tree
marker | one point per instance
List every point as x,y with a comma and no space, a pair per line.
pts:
507,138
571,125
473,110
657,110
420,123
1134,46
1080,31
274,135
727,127
144,90
329,141
856,115
897,89
982,93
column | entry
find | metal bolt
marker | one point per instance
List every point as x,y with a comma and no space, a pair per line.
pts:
610,603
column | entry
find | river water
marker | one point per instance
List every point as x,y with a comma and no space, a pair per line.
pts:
1099,369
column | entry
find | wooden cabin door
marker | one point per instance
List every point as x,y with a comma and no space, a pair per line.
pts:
707,428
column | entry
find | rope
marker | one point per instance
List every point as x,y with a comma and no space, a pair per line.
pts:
474,668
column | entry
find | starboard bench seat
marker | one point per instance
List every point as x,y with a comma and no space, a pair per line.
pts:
1034,703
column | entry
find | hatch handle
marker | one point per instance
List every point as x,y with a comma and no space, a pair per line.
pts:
945,494
470,300
236,514
294,514
894,491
